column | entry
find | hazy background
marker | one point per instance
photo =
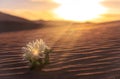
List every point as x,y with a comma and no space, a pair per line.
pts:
43,9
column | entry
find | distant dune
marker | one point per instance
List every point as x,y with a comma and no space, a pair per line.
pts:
14,23
111,23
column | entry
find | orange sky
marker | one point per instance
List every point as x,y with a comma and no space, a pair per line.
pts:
44,9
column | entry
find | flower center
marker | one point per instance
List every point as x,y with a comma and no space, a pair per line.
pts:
35,52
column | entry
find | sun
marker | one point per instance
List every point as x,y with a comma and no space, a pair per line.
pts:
79,10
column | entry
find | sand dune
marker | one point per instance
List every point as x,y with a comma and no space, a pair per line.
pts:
80,52
13,23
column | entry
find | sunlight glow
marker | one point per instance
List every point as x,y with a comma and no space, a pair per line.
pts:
35,52
79,10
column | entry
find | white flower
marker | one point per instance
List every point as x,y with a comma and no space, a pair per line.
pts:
35,50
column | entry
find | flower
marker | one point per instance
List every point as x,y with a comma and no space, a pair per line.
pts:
35,51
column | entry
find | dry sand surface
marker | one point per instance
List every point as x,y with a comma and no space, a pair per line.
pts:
80,52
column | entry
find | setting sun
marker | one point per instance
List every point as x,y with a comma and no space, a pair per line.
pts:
79,10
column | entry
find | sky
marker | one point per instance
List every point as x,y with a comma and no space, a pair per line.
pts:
44,9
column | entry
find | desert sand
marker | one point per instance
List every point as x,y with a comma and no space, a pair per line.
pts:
80,51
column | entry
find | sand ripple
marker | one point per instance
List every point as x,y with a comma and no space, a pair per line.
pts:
92,53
